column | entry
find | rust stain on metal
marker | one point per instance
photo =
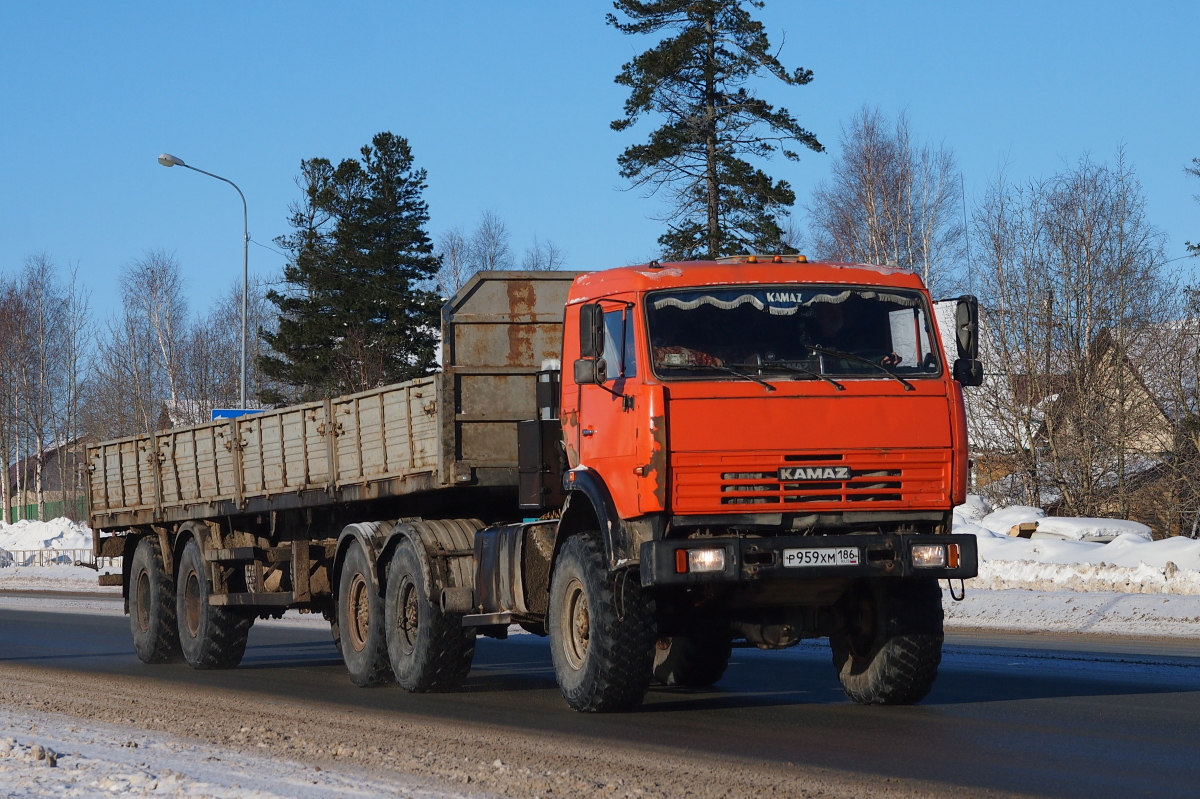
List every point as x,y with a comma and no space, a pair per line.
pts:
570,426
656,469
521,300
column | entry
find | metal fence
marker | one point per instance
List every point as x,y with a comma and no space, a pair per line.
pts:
54,557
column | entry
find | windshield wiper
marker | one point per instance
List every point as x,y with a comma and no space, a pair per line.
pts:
726,369
802,371
849,356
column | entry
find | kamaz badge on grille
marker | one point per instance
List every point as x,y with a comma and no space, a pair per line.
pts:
814,473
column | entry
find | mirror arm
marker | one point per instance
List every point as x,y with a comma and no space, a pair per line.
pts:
626,399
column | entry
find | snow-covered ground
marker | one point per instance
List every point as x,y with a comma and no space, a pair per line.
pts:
44,754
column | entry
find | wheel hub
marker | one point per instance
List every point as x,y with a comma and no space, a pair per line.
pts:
143,601
192,602
576,620
359,612
409,617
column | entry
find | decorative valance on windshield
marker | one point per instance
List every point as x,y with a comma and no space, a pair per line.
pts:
777,303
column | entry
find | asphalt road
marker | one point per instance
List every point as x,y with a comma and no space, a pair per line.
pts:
1054,716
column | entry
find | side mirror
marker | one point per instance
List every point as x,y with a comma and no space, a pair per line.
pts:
592,371
966,327
591,331
968,371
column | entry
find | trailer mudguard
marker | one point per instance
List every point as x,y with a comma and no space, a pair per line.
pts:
444,547
371,536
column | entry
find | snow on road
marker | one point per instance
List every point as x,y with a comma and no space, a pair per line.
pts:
45,754
63,577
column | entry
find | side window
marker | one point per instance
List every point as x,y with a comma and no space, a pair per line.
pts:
910,337
618,344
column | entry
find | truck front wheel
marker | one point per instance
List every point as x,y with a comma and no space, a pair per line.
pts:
211,637
152,605
890,649
429,650
602,630
360,621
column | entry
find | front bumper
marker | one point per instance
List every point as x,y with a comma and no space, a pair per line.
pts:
752,559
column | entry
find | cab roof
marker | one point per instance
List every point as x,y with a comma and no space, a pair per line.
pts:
736,270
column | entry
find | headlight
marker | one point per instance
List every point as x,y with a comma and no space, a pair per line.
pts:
700,560
929,556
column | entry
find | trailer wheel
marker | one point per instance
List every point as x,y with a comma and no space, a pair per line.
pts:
692,661
211,637
890,652
429,650
360,621
602,630
152,605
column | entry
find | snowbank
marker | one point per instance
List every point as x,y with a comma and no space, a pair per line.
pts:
1084,529
1001,521
58,533
1077,554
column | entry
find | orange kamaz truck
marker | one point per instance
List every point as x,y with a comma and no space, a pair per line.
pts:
649,465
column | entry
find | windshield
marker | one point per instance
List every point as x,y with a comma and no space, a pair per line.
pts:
787,332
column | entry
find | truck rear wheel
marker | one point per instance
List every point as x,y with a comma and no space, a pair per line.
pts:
429,650
692,661
890,652
601,630
360,621
152,605
211,637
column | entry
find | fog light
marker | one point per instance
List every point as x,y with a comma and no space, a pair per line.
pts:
706,560
929,556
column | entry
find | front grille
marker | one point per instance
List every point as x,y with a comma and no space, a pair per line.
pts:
876,478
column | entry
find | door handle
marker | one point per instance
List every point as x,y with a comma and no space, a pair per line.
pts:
588,432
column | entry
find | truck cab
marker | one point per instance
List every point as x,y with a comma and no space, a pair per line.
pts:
776,447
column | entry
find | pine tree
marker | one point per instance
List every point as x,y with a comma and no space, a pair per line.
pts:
697,79
355,314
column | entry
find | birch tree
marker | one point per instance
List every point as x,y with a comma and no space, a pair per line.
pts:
1081,310
890,200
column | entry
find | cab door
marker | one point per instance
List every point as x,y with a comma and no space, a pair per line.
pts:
608,413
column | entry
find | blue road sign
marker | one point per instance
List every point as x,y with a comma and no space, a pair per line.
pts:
233,413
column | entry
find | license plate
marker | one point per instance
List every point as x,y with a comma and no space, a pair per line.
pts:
829,556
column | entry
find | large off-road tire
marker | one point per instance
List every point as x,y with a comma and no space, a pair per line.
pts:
602,630
152,605
360,621
696,660
429,650
210,637
890,652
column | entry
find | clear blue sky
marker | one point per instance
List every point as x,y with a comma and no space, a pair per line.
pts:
507,106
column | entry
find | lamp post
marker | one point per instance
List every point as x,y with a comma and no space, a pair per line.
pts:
170,160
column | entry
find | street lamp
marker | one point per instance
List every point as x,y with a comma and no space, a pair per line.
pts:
170,160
